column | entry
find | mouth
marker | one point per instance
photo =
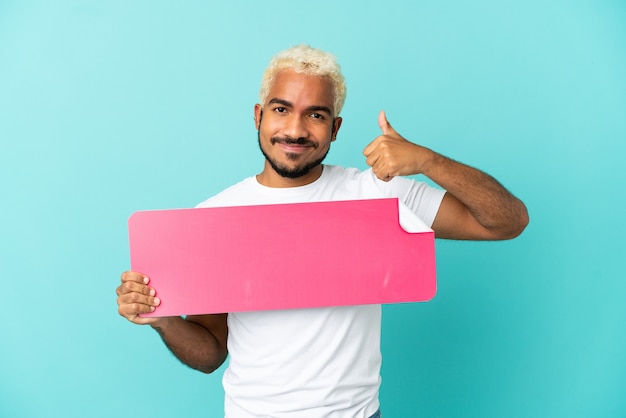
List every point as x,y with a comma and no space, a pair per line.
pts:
293,146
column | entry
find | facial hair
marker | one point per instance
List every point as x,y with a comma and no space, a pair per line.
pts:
284,171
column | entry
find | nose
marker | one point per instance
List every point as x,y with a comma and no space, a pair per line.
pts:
295,127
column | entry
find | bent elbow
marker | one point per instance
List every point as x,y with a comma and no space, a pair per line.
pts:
210,365
209,368
520,223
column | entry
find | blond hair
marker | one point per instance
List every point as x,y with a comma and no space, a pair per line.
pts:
307,60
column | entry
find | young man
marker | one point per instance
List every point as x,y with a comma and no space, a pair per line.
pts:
320,362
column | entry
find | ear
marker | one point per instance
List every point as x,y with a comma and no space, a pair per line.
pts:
336,126
258,110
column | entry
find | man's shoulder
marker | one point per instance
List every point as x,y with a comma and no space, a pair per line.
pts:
230,195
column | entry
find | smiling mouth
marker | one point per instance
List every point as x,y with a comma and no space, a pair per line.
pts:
293,148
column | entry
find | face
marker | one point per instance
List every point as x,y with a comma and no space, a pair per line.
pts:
296,127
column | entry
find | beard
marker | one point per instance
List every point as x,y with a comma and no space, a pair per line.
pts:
288,172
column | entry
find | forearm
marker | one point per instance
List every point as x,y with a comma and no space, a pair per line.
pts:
501,214
476,206
192,343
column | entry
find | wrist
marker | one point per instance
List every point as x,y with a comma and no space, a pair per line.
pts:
162,324
426,161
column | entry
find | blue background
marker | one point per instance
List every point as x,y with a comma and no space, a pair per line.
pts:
111,107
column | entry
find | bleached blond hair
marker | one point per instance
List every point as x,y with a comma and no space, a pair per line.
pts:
306,60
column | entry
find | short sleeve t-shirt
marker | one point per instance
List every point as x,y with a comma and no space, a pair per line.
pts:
322,362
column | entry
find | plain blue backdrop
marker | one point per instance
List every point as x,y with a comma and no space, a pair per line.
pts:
111,107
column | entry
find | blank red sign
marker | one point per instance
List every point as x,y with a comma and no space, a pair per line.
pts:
304,255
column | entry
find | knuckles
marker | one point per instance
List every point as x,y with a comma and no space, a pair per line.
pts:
127,287
132,296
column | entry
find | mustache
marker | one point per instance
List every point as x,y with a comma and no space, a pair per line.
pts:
292,141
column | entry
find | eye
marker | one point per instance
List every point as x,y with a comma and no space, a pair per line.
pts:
280,109
317,116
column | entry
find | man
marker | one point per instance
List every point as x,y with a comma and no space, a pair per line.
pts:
320,362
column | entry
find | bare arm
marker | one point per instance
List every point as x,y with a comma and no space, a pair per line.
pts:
198,341
475,206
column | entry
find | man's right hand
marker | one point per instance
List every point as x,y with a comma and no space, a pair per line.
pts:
135,297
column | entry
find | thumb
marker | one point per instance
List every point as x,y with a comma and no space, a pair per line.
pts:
384,124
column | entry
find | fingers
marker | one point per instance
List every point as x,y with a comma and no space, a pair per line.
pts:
386,129
378,161
380,167
134,282
389,153
385,126
377,152
135,297
367,151
134,276
383,172
383,123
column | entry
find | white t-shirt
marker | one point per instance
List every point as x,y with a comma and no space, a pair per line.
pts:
322,362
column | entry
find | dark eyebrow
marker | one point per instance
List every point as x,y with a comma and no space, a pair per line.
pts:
286,103
280,101
319,109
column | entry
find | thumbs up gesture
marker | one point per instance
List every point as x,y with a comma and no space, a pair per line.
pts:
391,155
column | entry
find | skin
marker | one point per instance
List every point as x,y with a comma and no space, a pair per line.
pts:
475,206
300,107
